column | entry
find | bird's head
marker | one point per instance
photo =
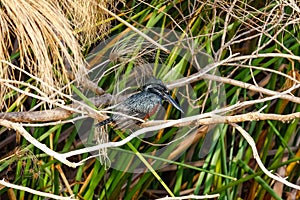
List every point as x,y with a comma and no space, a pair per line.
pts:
157,87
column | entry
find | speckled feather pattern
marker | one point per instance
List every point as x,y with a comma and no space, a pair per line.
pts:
138,105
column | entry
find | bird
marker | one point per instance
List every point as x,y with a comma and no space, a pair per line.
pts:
141,105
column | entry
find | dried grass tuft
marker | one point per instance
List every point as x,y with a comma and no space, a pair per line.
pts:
42,32
88,20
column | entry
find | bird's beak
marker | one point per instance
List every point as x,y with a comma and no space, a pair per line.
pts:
173,102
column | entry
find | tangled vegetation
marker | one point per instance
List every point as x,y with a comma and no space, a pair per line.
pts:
232,67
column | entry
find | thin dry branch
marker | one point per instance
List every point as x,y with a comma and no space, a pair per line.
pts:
55,114
218,119
204,75
251,142
32,191
19,128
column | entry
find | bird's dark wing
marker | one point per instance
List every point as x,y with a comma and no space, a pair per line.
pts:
142,104
139,105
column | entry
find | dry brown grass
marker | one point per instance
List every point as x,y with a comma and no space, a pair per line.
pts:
88,20
48,37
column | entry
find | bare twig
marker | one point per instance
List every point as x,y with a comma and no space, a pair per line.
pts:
258,160
198,76
56,114
32,191
36,143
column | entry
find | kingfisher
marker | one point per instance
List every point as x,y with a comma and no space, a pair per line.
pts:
141,105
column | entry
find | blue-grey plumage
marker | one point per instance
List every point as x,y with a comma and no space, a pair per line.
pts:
141,105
